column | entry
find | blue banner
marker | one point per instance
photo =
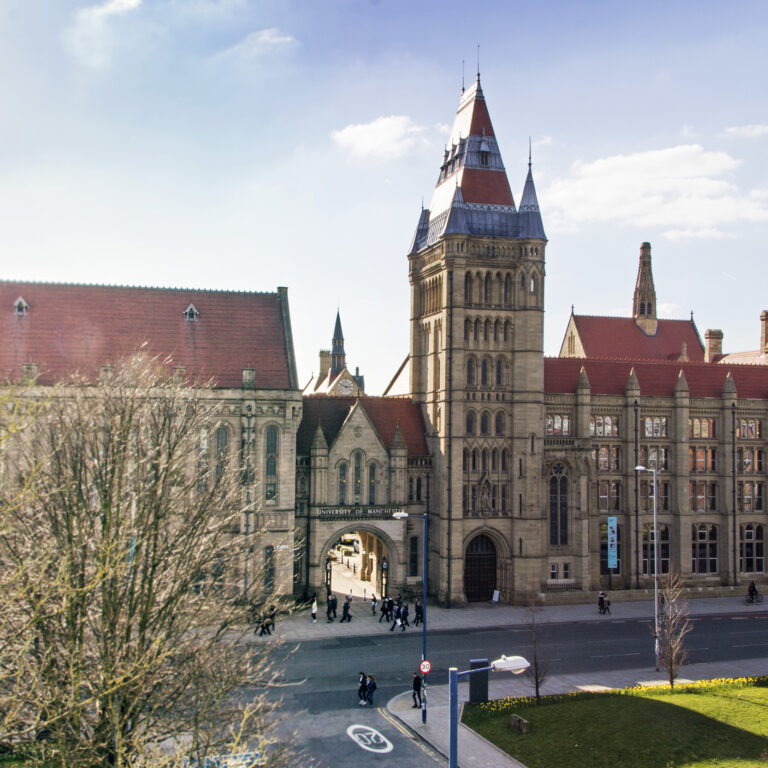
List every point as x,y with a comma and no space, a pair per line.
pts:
613,544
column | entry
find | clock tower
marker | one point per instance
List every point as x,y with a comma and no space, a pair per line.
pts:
476,270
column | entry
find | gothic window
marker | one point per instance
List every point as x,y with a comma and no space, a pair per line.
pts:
470,423
642,307
372,483
470,372
465,460
484,373
487,289
413,556
342,482
752,548
507,289
474,460
484,423
558,506
270,464
507,331
203,459
499,423
504,460
484,461
222,439
703,549
649,555
477,330
533,284
496,330
487,331
522,281
499,373
749,429
468,289
269,569
357,477
494,460
467,329
418,489
649,308
410,489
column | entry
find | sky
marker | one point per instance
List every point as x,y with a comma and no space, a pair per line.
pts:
250,144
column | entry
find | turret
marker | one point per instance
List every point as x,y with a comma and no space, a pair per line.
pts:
644,303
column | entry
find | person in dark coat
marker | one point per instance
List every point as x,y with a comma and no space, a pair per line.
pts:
329,609
383,610
334,604
397,622
416,691
345,615
362,687
404,615
369,689
418,613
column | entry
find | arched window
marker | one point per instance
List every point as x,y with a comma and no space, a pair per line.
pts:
468,288
642,307
357,477
484,373
487,331
703,548
487,289
533,284
474,460
410,489
558,506
649,308
507,289
470,423
752,548
203,459
418,489
270,464
222,441
522,281
507,331
477,330
465,460
494,460
372,483
470,372
499,373
499,423
484,425
504,460
649,555
269,569
496,330
484,461
342,472
467,329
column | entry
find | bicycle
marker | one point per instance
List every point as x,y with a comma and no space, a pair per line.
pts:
752,599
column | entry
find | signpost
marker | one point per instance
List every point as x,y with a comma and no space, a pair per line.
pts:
425,666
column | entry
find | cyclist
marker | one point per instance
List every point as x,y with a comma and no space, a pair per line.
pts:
751,592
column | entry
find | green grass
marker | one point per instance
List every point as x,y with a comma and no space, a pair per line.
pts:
714,723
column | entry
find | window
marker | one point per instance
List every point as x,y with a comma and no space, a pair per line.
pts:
270,464
609,495
468,289
499,371
604,426
484,423
487,289
557,424
749,429
703,549
357,477
649,557
702,496
504,460
749,497
499,423
222,439
203,459
372,483
494,460
604,550
413,556
470,423
553,571
418,489
702,428
410,489
752,548
470,373
269,569
484,373
558,506
566,570
342,484
655,457
654,426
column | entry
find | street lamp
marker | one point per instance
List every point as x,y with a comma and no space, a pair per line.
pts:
640,468
424,574
248,417
513,664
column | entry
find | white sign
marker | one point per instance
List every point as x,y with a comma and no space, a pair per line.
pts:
369,738
425,666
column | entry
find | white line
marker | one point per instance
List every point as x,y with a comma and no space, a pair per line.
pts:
613,655
750,645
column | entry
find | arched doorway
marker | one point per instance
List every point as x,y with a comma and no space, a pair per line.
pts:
357,563
480,569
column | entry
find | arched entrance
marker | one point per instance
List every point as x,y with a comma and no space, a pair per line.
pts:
480,569
357,563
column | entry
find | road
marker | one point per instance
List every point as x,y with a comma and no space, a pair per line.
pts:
321,676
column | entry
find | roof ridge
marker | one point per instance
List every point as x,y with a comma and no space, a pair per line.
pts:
656,361
626,317
63,284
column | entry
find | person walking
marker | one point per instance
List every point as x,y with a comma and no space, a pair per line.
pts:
329,608
601,603
418,613
397,622
607,607
369,690
416,691
334,604
404,615
373,604
264,625
383,610
345,614
362,687
314,608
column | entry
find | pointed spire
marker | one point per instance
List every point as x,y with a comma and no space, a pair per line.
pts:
319,442
729,387
583,382
398,441
633,385
530,215
681,387
644,302
338,356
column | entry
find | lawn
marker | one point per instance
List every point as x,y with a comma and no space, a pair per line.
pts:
720,723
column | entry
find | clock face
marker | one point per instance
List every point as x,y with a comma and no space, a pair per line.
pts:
346,387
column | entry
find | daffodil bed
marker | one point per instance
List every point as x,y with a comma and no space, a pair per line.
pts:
710,723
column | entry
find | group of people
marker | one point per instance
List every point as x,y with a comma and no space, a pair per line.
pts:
263,622
392,610
366,685
332,606
603,603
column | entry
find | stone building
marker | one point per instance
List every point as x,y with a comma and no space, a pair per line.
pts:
241,342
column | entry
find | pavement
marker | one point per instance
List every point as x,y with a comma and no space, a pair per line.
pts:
473,750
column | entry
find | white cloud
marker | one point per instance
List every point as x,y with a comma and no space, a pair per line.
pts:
544,141
684,189
391,136
704,233
91,37
208,8
258,43
753,131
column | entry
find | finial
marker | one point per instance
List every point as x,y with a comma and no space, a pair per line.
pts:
571,308
691,315
422,202
462,75
478,62
529,153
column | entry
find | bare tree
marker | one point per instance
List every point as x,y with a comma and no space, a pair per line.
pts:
539,669
120,641
674,625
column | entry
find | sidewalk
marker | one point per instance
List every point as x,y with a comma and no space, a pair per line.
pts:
474,751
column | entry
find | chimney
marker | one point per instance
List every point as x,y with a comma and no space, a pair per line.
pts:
764,332
713,344
325,364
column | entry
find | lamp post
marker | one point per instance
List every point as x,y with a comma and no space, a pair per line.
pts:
424,575
513,664
640,468
248,417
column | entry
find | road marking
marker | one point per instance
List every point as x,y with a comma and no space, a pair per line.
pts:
613,655
750,645
422,745
369,739
697,649
740,618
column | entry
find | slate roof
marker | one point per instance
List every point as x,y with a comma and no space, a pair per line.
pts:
656,379
620,338
78,328
385,414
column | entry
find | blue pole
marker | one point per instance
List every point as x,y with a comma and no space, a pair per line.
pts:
453,716
424,576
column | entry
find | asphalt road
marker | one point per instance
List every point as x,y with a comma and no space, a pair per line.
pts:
321,675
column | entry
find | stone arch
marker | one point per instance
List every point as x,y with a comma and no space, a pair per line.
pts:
485,550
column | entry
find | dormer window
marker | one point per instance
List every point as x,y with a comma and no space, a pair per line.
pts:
191,313
20,307
485,150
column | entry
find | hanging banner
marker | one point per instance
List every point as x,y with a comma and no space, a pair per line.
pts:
613,545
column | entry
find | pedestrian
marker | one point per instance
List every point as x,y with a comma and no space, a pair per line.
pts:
601,603
383,610
334,604
314,608
369,689
416,691
607,605
418,613
390,609
397,622
271,613
373,604
404,615
329,608
264,626
362,687
345,614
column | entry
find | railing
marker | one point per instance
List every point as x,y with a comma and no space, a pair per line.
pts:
560,585
559,441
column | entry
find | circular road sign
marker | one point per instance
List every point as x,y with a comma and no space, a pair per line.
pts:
425,666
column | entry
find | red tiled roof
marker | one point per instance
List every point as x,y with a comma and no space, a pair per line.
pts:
658,378
79,328
485,186
619,337
384,412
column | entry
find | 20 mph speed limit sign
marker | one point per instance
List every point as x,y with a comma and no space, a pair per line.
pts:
425,666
